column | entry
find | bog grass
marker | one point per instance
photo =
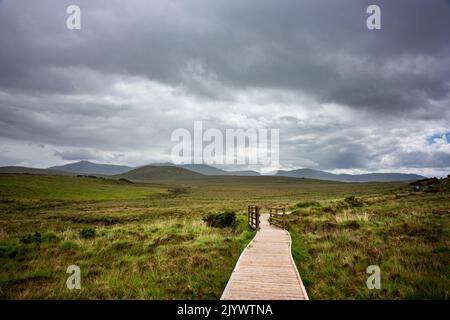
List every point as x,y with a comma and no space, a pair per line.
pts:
151,241
406,235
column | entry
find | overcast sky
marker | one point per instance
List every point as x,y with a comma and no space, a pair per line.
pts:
345,98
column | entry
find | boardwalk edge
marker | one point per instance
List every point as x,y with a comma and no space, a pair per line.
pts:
225,291
295,267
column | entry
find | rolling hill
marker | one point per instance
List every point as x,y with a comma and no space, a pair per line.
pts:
170,171
87,167
18,169
160,173
209,170
213,171
370,177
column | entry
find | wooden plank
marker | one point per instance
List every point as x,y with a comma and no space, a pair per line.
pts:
265,270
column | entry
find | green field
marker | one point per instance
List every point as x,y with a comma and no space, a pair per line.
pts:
150,241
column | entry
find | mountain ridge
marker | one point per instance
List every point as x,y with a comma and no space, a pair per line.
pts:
160,173
209,170
345,177
27,170
87,167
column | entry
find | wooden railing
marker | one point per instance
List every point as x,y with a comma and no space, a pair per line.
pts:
253,217
277,217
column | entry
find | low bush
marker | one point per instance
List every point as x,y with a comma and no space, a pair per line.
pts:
176,191
50,237
69,245
221,219
353,225
32,238
354,201
12,250
307,204
87,233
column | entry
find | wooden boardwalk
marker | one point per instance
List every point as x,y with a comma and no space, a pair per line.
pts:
266,270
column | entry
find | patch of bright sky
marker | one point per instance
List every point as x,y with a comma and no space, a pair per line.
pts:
439,136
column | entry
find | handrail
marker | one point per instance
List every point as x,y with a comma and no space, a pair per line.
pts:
275,214
253,217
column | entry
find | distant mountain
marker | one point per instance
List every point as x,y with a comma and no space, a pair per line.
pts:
213,171
369,177
160,173
87,167
242,173
16,169
203,169
209,170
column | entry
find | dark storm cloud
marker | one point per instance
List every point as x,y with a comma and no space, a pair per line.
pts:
143,68
320,47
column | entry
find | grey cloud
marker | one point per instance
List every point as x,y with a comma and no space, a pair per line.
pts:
79,154
290,45
420,159
138,69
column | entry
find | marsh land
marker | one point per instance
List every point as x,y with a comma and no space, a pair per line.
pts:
145,239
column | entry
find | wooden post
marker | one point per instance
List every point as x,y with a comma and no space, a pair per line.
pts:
253,217
257,217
